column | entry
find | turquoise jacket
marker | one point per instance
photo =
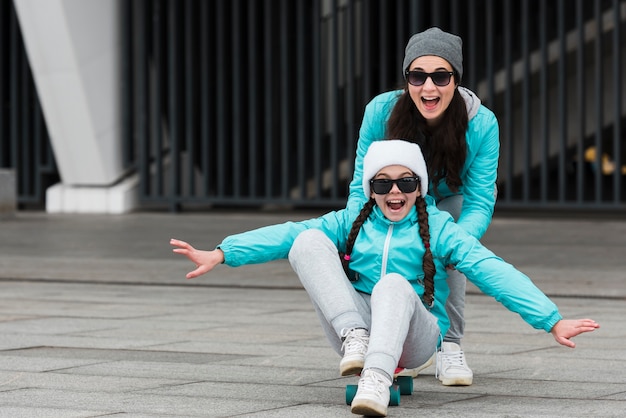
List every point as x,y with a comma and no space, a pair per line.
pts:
384,247
479,173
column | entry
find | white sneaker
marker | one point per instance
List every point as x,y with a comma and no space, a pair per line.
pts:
372,396
354,347
452,369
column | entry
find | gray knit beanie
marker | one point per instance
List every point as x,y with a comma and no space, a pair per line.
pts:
436,42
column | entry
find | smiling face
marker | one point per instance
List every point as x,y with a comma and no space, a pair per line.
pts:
395,204
431,100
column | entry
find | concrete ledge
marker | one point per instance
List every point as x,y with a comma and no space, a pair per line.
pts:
8,193
120,198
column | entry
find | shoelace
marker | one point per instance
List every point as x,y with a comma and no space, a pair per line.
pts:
450,360
372,382
353,341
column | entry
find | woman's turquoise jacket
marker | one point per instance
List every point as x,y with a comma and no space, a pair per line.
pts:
478,175
384,247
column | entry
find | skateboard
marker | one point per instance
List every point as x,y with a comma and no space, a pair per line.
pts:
402,384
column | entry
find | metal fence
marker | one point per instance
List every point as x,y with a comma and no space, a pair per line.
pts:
24,143
258,102
247,103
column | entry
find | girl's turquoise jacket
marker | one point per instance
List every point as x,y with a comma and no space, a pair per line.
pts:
384,247
479,172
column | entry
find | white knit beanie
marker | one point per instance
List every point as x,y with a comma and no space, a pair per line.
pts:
388,152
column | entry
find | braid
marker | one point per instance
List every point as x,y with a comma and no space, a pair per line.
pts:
427,262
356,227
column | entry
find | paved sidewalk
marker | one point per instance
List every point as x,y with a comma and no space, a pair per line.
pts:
97,319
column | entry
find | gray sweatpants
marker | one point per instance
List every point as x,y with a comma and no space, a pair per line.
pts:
402,331
455,305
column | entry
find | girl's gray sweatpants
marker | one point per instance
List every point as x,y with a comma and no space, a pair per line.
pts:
402,331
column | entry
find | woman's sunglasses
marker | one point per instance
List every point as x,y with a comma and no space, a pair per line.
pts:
384,186
418,78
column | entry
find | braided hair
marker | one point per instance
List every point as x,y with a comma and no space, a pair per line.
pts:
427,261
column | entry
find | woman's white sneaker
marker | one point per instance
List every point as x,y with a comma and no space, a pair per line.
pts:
355,341
452,369
372,396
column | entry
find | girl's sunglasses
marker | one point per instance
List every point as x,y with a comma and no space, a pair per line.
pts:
418,78
384,186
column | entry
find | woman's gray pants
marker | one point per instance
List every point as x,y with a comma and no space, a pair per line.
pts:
455,305
402,331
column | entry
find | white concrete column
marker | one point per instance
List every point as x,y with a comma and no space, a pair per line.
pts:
73,47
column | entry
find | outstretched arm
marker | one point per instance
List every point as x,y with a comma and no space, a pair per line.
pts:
566,329
205,261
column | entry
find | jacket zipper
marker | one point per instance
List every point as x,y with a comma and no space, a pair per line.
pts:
383,269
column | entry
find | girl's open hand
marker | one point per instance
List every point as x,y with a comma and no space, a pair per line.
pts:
566,329
205,261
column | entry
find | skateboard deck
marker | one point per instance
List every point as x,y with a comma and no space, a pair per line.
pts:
402,384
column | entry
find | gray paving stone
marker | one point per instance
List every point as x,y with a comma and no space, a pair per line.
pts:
92,327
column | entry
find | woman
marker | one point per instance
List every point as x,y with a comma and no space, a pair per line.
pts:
460,141
396,247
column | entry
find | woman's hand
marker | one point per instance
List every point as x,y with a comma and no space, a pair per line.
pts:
204,260
566,329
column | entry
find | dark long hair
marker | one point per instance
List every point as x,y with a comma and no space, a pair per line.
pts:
428,264
444,146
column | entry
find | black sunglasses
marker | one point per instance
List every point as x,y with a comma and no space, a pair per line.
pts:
418,78
384,186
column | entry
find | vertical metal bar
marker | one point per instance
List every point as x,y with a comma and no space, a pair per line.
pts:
400,35
238,117
126,114
617,104
173,113
351,132
39,145
154,102
599,97
189,89
267,108
581,112
366,41
455,15
508,103
543,102
470,69
3,54
221,136
284,101
205,95
489,47
385,57
14,79
562,101
25,167
435,14
317,103
301,78
526,102
334,83
139,82
253,101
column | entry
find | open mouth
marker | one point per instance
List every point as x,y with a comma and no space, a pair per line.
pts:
396,204
430,103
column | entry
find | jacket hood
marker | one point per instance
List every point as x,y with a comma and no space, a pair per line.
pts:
472,102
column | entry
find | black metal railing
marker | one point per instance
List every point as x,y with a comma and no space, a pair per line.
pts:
24,143
248,103
258,102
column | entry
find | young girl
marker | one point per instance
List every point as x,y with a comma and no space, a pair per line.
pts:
386,307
